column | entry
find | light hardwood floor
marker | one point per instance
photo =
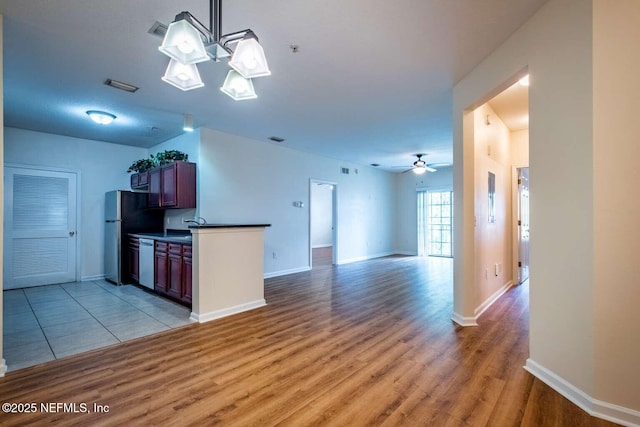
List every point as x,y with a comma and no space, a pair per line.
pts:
369,343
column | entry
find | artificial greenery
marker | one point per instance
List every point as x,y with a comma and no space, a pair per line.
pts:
162,158
142,165
168,156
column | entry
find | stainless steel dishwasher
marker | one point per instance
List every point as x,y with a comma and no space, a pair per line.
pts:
145,263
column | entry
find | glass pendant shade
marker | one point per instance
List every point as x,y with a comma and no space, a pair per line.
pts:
248,59
183,43
184,77
237,87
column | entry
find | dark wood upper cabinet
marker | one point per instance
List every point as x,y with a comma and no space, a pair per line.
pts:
173,186
155,188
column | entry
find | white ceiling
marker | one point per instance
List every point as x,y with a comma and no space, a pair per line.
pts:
512,106
371,82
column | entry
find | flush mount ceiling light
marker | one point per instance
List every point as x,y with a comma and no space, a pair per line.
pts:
237,87
188,42
101,117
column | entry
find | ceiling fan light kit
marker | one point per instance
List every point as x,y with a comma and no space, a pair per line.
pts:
188,42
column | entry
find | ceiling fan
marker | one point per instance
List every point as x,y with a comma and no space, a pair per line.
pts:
420,166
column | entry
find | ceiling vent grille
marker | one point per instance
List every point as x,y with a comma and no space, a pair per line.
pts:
276,139
345,171
121,85
158,29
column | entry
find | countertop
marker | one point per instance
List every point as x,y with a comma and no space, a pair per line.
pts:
228,226
184,238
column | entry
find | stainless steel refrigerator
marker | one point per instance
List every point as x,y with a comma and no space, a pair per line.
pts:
125,212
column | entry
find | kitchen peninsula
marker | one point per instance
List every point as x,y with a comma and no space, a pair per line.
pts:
228,269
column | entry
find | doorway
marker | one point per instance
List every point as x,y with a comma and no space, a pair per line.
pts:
435,223
322,224
522,224
40,230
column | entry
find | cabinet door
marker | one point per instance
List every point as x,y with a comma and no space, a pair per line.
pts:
161,267
175,270
185,185
169,197
135,180
186,274
155,188
134,257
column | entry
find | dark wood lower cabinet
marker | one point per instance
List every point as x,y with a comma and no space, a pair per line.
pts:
173,271
186,274
161,267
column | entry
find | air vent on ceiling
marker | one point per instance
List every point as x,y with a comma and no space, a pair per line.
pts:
121,85
158,29
345,171
276,139
375,165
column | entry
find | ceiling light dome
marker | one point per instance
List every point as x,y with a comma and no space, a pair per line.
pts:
101,117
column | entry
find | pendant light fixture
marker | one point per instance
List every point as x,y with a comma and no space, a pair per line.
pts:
188,42
248,59
237,87
184,77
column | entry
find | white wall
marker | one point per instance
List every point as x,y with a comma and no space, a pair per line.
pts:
247,181
567,331
102,167
492,239
321,215
617,206
407,185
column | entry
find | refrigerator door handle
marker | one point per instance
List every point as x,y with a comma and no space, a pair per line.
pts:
109,221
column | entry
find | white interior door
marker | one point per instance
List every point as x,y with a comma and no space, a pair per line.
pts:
39,227
523,224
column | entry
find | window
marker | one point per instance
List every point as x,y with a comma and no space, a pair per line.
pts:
435,223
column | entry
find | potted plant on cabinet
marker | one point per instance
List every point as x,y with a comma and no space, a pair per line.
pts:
170,156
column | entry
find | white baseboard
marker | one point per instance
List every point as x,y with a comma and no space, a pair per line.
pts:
364,258
90,278
327,245
594,407
285,272
493,298
473,321
464,321
3,368
217,314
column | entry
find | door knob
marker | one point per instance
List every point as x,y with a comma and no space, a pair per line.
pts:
71,233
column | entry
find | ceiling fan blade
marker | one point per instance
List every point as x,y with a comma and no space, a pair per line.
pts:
408,170
428,169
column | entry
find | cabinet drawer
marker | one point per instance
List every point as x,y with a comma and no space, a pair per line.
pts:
161,246
175,249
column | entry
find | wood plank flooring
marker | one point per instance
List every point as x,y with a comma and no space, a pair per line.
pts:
369,343
322,257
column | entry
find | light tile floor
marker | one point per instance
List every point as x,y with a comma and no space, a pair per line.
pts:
44,323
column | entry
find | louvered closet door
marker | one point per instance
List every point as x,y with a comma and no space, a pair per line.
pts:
40,227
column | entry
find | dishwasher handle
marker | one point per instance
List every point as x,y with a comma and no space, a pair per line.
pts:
146,242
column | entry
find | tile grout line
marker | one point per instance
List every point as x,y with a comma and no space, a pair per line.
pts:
90,314
39,324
